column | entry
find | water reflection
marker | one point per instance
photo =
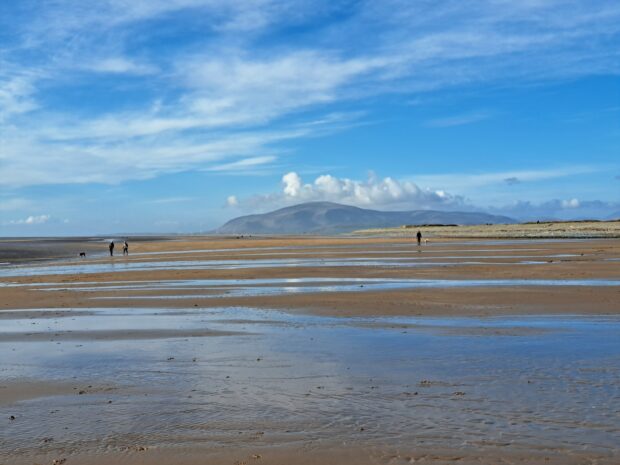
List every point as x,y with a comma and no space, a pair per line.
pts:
524,381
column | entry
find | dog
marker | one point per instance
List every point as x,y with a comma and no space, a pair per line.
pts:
82,254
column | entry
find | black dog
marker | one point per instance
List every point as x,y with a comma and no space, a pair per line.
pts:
82,254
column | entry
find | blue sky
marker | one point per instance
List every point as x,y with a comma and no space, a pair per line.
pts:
176,115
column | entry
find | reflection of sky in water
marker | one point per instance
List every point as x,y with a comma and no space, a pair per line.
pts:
204,265
542,380
281,286
247,288
305,250
120,264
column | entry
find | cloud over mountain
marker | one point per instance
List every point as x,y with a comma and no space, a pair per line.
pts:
374,192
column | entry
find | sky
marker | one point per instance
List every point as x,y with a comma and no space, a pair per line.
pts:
173,116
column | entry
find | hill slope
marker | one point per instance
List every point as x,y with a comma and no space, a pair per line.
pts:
332,218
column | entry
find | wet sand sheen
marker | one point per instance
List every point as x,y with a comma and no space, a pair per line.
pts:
110,335
309,385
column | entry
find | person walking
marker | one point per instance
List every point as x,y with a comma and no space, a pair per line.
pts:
111,248
419,236
125,248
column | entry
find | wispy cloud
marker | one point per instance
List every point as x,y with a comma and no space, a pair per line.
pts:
224,92
244,164
458,120
120,65
465,181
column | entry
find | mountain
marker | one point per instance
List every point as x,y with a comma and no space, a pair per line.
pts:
333,218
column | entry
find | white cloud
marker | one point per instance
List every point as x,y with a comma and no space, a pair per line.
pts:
571,203
31,220
232,201
391,194
273,85
244,164
116,160
374,192
292,184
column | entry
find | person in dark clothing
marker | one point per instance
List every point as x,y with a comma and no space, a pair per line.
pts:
112,249
125,248
419,236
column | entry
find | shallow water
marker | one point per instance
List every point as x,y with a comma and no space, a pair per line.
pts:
525,382
286,286
122,265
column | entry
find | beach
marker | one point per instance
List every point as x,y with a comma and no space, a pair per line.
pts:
300,349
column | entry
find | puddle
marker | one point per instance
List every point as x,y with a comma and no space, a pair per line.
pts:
307,378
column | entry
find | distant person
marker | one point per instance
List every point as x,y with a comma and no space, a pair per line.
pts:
419,236
125,248
111,248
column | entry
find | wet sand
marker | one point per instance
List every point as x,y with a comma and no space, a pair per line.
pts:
339,259
328,350
15,391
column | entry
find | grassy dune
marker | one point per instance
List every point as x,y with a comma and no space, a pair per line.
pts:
556,229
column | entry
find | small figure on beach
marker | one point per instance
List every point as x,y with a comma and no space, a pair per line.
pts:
419,236
111,248
125,248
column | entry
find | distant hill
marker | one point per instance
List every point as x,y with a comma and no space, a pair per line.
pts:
333,218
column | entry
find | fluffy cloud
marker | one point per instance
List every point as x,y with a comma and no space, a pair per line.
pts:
374,192
389,193
232,201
